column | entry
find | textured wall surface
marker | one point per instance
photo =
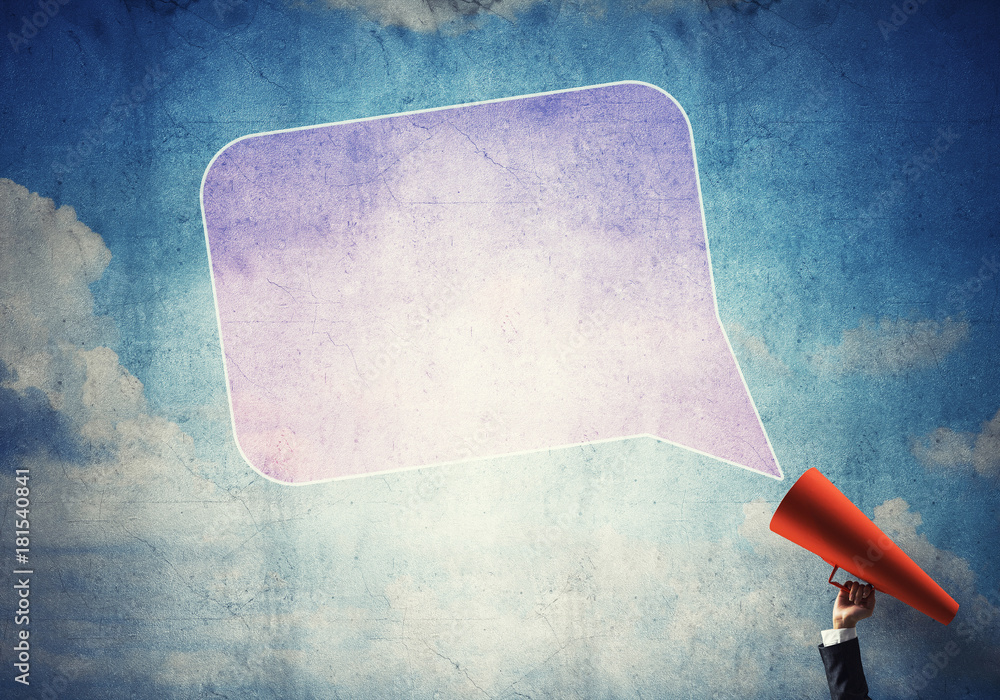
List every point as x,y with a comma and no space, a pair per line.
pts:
847,154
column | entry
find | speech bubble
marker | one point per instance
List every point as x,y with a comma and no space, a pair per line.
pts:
465,282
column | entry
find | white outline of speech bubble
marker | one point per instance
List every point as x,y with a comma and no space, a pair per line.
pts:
715,301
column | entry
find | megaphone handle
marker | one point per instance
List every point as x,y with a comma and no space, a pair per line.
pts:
834,583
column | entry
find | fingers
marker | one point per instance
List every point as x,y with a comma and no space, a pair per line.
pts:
859,594
869,601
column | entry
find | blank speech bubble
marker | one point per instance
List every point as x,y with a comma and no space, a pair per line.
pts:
457,283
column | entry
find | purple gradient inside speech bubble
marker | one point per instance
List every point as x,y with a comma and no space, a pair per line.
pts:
472,281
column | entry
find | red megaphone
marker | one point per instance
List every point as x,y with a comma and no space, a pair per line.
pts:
814,514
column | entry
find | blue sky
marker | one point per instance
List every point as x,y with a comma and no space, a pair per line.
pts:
849,177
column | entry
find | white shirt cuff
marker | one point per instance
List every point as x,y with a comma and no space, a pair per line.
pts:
844,634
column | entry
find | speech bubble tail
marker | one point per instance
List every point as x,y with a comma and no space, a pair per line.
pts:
717,416
762,465
765,463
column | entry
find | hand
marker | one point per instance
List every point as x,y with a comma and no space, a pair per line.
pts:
854,603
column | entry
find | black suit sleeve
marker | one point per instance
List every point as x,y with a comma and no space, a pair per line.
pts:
844,672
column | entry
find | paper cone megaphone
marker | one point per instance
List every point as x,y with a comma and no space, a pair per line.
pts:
817,516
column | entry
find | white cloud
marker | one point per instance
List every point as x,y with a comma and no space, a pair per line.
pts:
757,348
948,448
430,15
943,448
893,346
51,341
46,308
953,573
434,15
